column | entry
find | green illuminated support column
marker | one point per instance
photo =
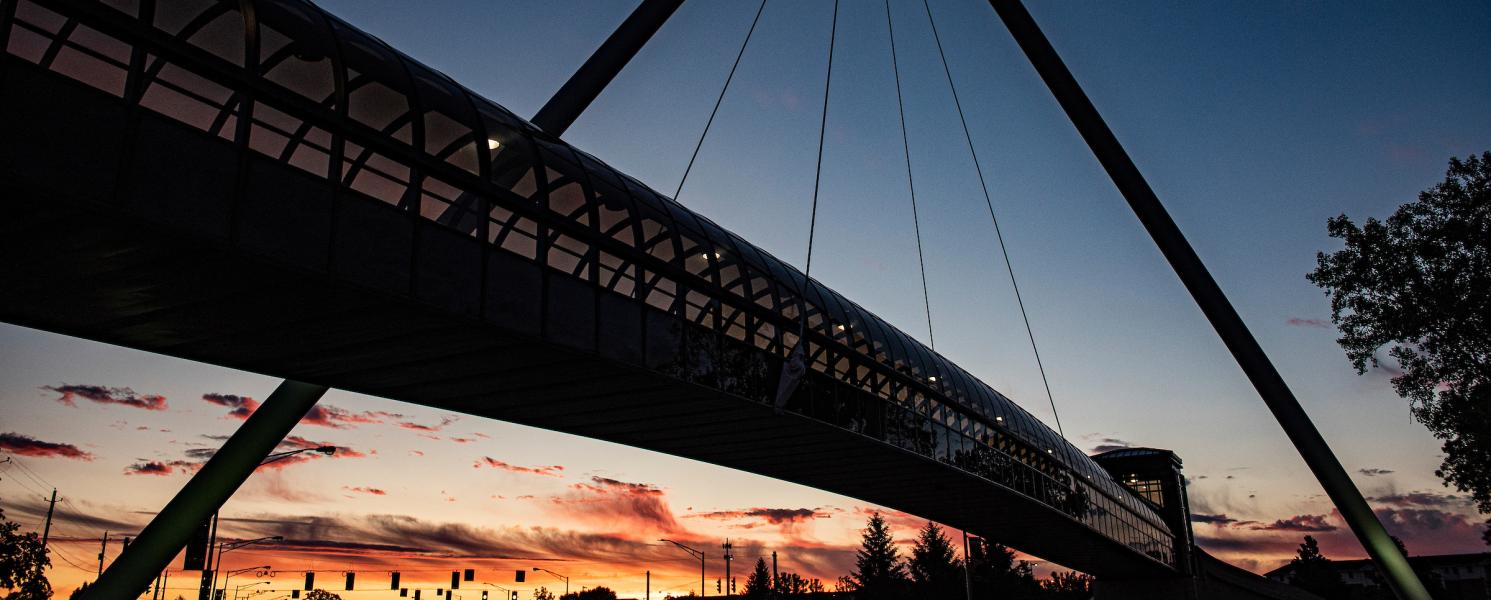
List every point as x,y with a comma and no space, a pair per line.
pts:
1213,303
213,484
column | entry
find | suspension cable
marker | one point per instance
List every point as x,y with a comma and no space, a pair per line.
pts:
822,129
990,203
719,100
910,181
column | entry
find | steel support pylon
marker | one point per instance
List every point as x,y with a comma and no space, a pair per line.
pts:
1208,295
130,574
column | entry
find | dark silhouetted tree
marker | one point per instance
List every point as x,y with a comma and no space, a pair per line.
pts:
791,585
543,593
320,594
996,574
1067,586
600,592
878,572
1419,284
935,569
758,585
1312,572
78,591
23,563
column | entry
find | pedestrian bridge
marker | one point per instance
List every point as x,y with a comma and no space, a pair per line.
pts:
274,191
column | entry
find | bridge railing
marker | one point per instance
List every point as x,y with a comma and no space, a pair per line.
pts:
295,86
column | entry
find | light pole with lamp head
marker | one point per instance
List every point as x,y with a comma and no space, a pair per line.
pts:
699,554
507,593
239,587
277,456
566,579
226,546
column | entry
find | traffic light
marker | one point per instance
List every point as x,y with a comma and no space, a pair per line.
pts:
416,594
469,575
519,577
196,547
351,578
515,596
455,580
395,582
483,595
294,593
310,580
717,588
403,592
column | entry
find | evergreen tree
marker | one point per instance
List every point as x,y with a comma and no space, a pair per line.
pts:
758,585
1313,572
878,572
935,569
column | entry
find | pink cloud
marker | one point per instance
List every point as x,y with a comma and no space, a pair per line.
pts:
107,395
551,470
29,446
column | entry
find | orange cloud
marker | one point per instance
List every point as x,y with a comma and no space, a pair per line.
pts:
551,470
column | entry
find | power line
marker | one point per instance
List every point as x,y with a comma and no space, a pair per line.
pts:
990,203
718,101
833,32
910,180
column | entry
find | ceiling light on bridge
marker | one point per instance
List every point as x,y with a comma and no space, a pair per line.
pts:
932,379
838,326
493,144
999,419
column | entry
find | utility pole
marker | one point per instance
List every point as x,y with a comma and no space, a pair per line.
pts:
649,585
101,547
967,583
775,580
47,529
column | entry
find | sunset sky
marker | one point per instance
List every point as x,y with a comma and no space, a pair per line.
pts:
1254,122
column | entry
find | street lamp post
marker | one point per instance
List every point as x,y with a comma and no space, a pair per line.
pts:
226,546
566,579
507,593
327,450
239,587
699,554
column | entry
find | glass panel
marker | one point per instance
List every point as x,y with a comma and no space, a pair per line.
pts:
295,51
375,175
377,85
449,120
188,98
86,55
515,234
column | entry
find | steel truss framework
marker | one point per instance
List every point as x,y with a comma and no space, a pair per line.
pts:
314,108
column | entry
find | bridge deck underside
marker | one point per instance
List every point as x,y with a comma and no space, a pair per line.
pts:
79,263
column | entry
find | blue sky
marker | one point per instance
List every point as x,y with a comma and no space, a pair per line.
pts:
1254,122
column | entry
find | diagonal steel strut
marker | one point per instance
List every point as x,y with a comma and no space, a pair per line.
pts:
1208,295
